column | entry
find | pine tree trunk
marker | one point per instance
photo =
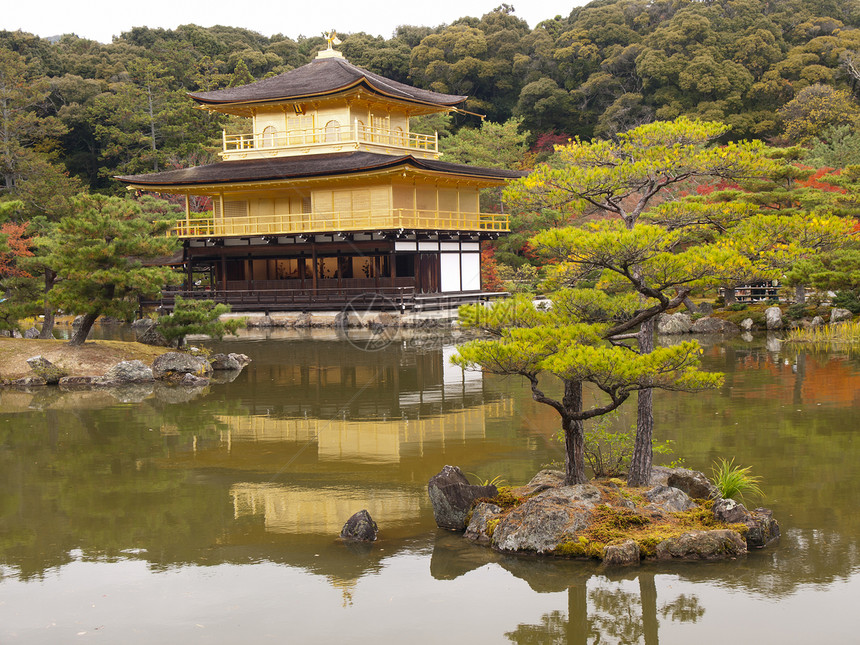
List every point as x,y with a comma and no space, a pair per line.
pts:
639,473
81,333
47,331
729,296
574,435
800,294
690,305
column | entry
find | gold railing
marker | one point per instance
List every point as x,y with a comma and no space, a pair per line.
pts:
355,133
376,220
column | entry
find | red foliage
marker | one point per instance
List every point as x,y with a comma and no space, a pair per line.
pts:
547,141
814,181
489,275
16,245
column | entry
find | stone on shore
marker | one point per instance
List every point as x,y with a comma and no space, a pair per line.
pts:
670,324
360,528
146,332
608,521
669,500
452,496
702,545
128,372
481,525
761,527
621,554
45,369
708,325
838,315
546,521
543,480
773,318
692,482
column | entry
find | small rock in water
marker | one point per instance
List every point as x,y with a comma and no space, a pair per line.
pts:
360,528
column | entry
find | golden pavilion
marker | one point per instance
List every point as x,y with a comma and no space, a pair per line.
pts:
330,198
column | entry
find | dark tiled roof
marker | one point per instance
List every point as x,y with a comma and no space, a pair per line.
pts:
320,77
250,170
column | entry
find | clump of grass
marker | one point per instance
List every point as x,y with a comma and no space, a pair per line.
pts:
735,481
495,481
843,333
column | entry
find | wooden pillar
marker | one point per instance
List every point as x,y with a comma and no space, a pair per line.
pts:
338,260
376,271
392,266
302,269
189,269
223,272
314,265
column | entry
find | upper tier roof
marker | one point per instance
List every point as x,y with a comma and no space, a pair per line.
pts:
254,170
318,78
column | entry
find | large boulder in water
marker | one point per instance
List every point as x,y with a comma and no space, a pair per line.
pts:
174,365
224,362
452,497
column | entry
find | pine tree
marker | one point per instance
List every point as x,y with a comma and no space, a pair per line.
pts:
98,253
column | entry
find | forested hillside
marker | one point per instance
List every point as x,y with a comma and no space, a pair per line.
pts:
98,110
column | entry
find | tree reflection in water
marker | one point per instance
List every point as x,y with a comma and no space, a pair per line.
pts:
616,616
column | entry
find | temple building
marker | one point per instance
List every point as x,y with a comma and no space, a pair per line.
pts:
331,198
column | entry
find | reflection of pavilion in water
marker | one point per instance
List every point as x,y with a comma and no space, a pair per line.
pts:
384,412
337,379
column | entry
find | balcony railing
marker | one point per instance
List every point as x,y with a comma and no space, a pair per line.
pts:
344,134
335,222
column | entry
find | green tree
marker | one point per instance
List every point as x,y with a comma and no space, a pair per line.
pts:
22,127
197,317
623,178
815,109
567,345
98,253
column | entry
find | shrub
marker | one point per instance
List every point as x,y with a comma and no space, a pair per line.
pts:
847,300
197,317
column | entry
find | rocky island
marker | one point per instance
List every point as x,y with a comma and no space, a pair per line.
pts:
681,515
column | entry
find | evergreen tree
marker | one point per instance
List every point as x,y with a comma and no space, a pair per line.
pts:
98,253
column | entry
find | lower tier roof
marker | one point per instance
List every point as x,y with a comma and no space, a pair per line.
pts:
306,166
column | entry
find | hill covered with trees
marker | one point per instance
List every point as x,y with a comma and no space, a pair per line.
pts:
103,109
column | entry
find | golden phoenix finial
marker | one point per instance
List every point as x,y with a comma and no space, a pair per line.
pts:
331,38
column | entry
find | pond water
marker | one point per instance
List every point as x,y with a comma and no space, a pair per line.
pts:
211,517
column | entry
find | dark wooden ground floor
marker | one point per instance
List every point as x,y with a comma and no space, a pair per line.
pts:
403,272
